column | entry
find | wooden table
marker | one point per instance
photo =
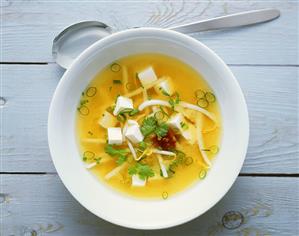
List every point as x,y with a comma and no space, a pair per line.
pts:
264,59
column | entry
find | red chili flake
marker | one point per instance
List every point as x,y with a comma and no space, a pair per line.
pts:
167,142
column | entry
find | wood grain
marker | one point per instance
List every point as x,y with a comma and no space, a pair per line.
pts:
29,27
40,205
271,94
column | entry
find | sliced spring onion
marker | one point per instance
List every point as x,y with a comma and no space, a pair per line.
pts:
91,91
213,149
165,195
199,109
162,152
210,97
202,102
188,161
129,86
115,171
133,112
200,141
159,115
115,67
117,81
132,149
153,102
199,93
202,174
94,140
121,117
83,110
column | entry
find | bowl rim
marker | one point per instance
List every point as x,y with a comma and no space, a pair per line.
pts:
120,35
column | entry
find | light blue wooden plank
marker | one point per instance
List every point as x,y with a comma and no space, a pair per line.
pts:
269,207
30,26
271,94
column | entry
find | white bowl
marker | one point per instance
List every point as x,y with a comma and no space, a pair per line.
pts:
111,205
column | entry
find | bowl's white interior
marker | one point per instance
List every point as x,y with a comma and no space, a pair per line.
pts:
109,204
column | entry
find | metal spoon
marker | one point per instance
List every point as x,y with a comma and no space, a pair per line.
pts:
76,38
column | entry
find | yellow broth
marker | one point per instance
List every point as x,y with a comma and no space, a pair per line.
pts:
95,101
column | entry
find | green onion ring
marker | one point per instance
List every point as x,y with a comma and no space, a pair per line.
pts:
91,91
202,102
115,67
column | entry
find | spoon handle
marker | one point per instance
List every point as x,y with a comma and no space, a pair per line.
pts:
228,21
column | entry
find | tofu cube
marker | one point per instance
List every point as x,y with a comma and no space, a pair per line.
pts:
107,120
164,87
147,76
115,136
122,103
137,182
132,132
175,121
188,132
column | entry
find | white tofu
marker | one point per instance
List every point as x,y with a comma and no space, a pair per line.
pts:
132,132
164,86
115,136
122,103
137,182
107,120
175,121
189,133
147,76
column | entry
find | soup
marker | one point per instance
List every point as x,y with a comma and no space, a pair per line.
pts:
149,126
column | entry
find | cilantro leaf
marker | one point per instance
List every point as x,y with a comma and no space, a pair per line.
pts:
144,171
161,130
119,153
148,126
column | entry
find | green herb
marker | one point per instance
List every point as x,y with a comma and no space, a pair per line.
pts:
98,160
159,115
188,161
91,91
142,145
83,102
174,100
110,109
117,81
199,93
150,125
83,110
163,111
202,102
119,153
130,86
210,97
115,67
126,110
161,130
121,117
144,171
202,174
110,88
184,125
164,92
133,112
88,155
90,133
165,195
